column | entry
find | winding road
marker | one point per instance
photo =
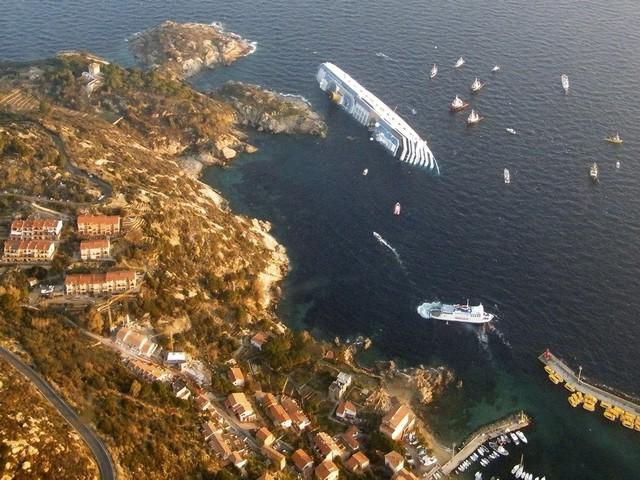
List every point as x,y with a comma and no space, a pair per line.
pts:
100,452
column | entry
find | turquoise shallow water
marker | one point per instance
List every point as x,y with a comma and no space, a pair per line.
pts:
553,255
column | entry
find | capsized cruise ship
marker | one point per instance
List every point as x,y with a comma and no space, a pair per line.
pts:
455,313
386,126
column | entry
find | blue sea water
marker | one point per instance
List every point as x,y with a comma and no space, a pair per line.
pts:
554,255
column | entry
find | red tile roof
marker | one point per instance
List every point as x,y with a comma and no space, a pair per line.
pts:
98,219
100,243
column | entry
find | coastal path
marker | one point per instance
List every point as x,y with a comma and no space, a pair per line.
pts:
100,452
488,432
569,376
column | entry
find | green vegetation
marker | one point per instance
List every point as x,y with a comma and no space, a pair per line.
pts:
284,352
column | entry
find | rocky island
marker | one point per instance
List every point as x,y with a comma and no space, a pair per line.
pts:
180,363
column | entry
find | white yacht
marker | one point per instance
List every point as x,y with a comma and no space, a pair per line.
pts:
476,85
459,63
565,83
496,68
507,176
458,104
434,71
522,437
474,118
593,171
455,313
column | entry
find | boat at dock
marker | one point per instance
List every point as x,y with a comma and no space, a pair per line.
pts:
434,71
458,104
565,82
477,85
474,118
615,139
460,62
522,437
515,438
455,313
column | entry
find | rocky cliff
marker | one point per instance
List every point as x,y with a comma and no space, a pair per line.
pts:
184,49
271,111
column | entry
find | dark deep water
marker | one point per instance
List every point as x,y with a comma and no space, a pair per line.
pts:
555,256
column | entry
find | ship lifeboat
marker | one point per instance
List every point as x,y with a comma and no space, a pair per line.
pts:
335,97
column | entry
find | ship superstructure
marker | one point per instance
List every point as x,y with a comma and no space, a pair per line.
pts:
386,126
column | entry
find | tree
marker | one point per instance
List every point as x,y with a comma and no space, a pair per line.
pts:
134,389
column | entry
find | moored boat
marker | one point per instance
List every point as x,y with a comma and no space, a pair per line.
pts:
458,104
455,313
565,82
434,71
515,439
459,63
474,118
615,139
477,85
522,437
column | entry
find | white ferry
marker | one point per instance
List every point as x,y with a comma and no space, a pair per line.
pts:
455,313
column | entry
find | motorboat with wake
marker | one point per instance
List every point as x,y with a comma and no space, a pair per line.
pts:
434,71
615,139
496,68
565,82
455,313
511,131
507,176
458,104
477,85
459,63
593,172
474,118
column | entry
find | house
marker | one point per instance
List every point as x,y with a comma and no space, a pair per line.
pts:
99,283
239,404
277,459
357,463
220,446
181,391
238,460
148,371
397,422
266,399
326,446
175,358
339,386
302,461
346,410
136,342
236,376
36,229
95,249
327,470
264,437
394,461
259,339
196,371
298,418
98,225
203,403
350,438
28,251
403,474
209,428
278,416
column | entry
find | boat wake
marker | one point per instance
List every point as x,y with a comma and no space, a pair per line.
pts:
383,55
383,242
494,330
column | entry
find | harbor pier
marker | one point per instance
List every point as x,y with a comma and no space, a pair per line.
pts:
484,434
616,407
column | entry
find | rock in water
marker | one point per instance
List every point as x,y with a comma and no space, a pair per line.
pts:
271,111
184,49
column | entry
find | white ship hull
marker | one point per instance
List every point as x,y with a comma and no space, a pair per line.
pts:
454,313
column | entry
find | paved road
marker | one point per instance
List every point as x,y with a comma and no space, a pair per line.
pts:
100,452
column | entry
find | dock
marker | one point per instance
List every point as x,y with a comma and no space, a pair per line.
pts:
615,405
484,434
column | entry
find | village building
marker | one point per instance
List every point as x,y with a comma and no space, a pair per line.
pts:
339,386
236,376
196,371
136,342
95,249
397,422
181,391
203,403
327,470
238,460
148,371
302,461
98,225
175,358
28,251
209,429
298,418
346,410
36,229
220,446
357,463
99,283
239,404
277,459
404,474
394,461
326,446
350,438
259,339
278,416
265,437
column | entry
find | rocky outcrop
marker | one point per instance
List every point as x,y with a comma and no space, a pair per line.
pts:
271,111
431,382
184,49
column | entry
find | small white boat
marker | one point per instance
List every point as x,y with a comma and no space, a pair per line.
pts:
397,209
502,451
618,164
365,172
476,85
434,71
459,63
511,131
480,451
565,82
478,476
458,104
593,171
473,118
520,471
484,462
474,456
496,68
522,437
514,437
515,468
